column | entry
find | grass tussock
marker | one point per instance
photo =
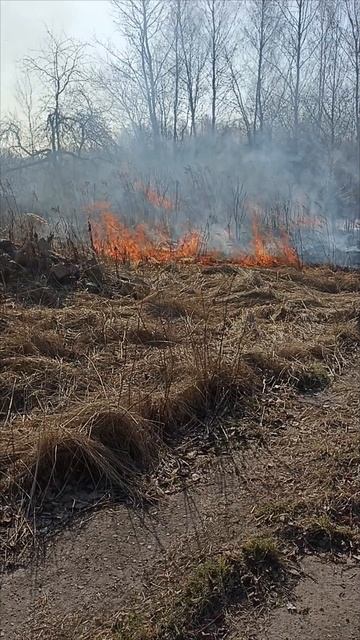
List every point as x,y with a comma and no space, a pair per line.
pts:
260,552
212,394
29,383
47,343
97,444
304,352
293,365
320,533
324,522
166,307
313,377
40,295
149,336
327,280
249,298
348,335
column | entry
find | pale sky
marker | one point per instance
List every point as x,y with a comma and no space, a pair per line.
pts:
22,30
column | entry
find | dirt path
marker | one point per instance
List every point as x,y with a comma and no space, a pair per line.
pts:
325,606
95,568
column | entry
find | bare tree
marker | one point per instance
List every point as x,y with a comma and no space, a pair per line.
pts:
194,55
270,68
237,92
141,22
220,19
58,68
331,102
176,68
352,36
25,98
262,34
298,17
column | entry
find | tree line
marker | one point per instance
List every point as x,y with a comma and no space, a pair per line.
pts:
264,70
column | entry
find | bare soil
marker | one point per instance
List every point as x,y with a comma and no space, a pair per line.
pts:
325,605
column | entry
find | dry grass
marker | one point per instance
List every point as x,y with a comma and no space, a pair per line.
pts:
99,442
327,280
99,388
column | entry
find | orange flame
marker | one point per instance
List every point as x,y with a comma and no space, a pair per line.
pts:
270,251
112,238
154,197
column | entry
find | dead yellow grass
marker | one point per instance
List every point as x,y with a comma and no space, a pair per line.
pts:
94,388
99,442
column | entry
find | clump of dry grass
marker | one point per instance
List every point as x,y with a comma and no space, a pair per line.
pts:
347,335
147,337
266,363
291,366
37,382
312,377
40,295
149,334
226,269
32,343
166,307
249,298
303,352
326,280
15,394
320,533
101,441
97,443
218,390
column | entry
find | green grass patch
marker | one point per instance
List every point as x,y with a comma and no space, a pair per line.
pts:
260,553
206,594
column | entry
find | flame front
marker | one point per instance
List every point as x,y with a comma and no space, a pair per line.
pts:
112,238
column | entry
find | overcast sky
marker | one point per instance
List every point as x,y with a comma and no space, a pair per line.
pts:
22,30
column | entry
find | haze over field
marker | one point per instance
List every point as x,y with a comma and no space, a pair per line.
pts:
230,109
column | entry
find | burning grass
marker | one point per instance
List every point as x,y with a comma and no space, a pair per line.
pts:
113,237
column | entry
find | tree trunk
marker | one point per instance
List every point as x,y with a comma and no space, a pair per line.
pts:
213,67
298,71
258,99
176,91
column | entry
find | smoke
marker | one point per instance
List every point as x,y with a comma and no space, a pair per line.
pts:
216,185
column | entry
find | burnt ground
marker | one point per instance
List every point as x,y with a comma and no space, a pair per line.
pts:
282,481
